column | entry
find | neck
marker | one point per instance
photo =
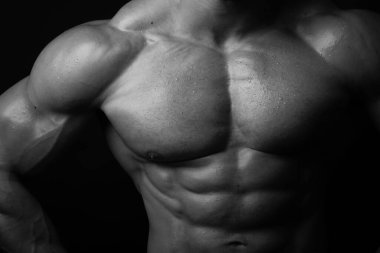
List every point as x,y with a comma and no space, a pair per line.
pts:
207,19
220,17
202,17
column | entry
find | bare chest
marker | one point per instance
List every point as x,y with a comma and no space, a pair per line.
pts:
179,102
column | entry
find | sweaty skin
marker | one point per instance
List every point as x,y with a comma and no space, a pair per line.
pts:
227,121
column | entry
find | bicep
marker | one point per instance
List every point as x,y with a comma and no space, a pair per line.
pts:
64,86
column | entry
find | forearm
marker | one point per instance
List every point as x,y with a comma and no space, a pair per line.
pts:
27,132
23,225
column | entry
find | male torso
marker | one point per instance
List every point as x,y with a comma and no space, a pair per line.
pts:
227,123
228,143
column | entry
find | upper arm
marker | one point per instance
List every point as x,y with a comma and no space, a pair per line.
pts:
349,41
74,69
66,81
364,40
367,25
365,68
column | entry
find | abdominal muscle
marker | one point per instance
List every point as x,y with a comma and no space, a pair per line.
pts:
240,200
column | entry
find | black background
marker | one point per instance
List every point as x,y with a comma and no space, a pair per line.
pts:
90,199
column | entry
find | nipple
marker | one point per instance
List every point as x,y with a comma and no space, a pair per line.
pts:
237,244
153,156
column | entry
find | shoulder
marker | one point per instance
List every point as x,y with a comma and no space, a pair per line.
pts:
75,68
348,40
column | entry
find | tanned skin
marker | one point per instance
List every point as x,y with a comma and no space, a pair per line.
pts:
227,115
